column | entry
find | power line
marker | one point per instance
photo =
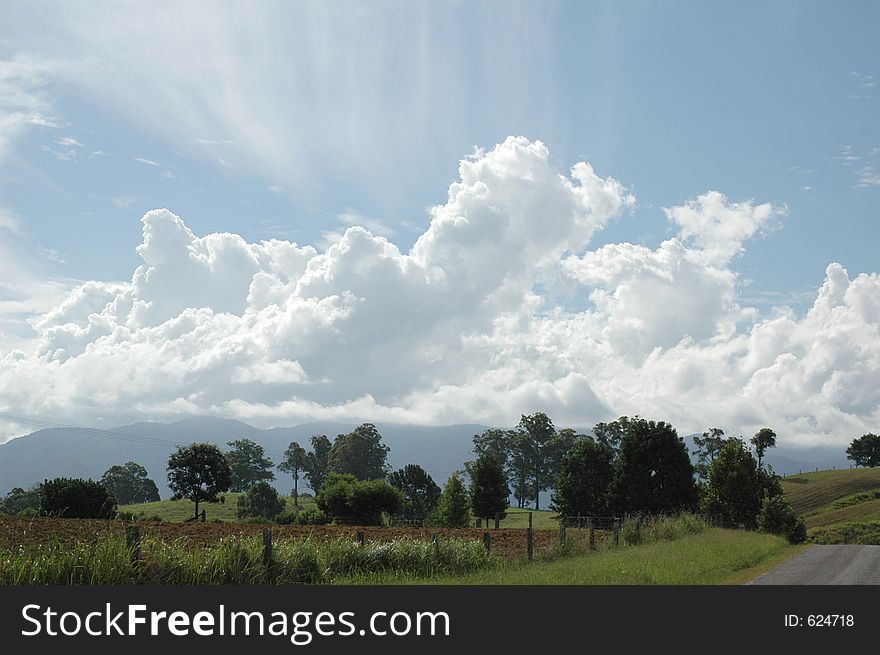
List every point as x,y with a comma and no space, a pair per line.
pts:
93,432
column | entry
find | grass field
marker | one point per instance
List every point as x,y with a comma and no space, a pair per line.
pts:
838,506
810,492
712,557
177,511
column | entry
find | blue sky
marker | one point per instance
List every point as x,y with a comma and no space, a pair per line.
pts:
295,121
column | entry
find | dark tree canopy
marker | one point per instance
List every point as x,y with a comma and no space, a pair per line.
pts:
74,498
584,481
420,492
734,486
865,451
198,472
764,439
360,502
261,501
489,490
360,453
540,449
654,474
294,460
612,433
130,484
248,464
316,466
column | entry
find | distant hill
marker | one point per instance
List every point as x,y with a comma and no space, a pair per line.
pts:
55,452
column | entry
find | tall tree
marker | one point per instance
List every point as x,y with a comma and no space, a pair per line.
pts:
130,484
316,466
584,483
519,466
360,453
865,451
540,432
734,486
612,432
708,447
248,464
653,474
420,492
489,490
294,460
765,438
198,472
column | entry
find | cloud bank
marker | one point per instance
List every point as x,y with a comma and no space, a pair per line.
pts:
499,308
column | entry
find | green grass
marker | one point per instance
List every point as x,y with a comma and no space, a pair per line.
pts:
811,492
859,532
714,556
237,560
177,511
541,519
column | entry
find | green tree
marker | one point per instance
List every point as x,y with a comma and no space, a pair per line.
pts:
295,458
130,483
453,507
316,466
653,474
248,464
261,500
777,517
612,433
765,438
735,485
584,482
489,490
420,492
74,498
20,500
519,466
865,451
539,447
360,453
198,472
360,502
708,447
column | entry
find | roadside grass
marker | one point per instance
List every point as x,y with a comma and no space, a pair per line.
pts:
715,556
177,511
810,492
863,533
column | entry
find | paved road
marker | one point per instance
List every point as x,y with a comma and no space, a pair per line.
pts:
828,565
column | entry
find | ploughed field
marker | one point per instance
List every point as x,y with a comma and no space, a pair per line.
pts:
16,531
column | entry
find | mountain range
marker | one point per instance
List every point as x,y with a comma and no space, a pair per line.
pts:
65,452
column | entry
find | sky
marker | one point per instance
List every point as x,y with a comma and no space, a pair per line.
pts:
442,212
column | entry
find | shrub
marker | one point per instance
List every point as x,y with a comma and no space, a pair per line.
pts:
261,500
311,516
777,517
18,500
348,500
76,499
453,508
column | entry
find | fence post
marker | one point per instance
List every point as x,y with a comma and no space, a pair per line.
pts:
133,541
592,536
360,537
497,520
203,516
638,529
616,532
487,541
530,547
530,520
267,551
562,531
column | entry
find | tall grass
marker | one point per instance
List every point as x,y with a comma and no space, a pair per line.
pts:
644,530
237,560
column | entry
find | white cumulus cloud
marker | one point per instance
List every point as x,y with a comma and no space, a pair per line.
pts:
465,325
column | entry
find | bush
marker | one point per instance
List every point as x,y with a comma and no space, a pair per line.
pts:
777,517
18,500
76,499
311,516
348,500
261,500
